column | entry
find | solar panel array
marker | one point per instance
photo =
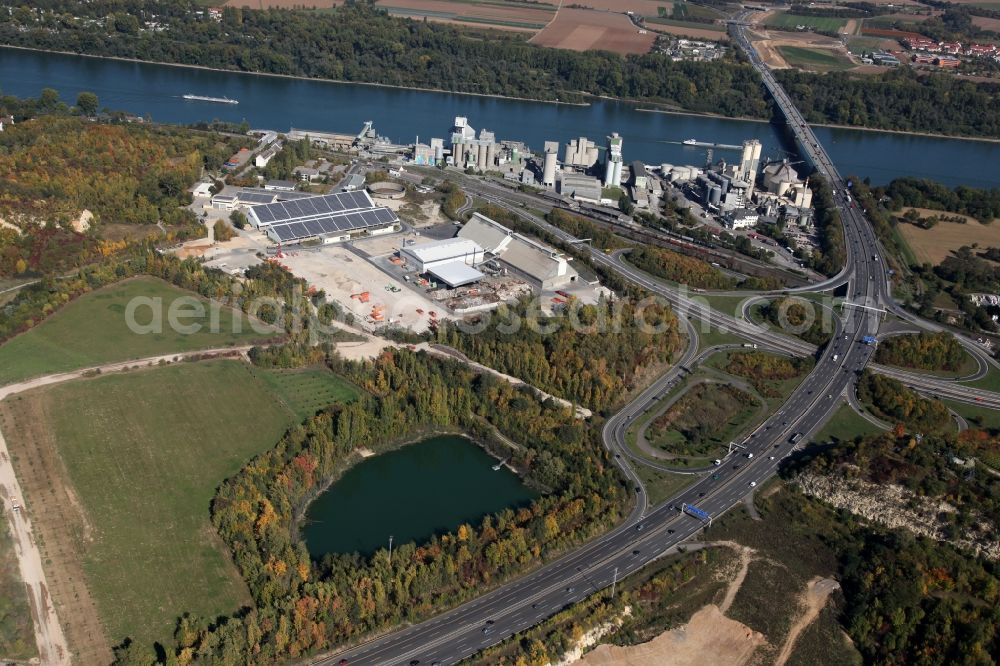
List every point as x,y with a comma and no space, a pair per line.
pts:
255,197
329,214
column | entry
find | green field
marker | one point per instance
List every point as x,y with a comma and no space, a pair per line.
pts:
786,21
844,426
814,59
307,391
17,639
92,330
145,452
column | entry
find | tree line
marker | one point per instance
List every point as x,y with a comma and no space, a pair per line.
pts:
982,204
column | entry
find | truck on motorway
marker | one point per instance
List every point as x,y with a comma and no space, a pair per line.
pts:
796,437
869,339
750,345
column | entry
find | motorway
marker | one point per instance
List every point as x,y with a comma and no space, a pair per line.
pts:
650,532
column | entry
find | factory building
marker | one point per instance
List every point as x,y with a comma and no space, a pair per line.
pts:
427,256
551,155
468,151
749,162
538,263
781,180
581,153
280,185
613,164
741,218
329,217
437,145
266,155
640,179
424,155
580,187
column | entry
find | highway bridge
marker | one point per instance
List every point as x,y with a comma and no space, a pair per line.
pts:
650,532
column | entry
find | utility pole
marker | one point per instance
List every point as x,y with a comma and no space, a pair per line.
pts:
390,549
614,583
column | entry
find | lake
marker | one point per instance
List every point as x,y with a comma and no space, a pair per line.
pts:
403,115
411,493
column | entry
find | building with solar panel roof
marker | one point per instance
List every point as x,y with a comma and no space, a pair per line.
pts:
332,218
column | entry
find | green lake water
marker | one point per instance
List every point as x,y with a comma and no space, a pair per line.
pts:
429,487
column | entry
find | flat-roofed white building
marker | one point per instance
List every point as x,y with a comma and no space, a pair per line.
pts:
427,256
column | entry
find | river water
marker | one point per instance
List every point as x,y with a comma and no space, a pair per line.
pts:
411,493
403,115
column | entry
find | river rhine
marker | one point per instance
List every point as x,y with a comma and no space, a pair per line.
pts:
411,493
402,115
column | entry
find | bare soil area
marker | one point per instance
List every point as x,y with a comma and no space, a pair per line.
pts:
284,4
709,637
61,527
643,7
488,14
585,30
813,599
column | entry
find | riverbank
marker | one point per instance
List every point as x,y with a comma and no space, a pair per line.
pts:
750,119
295,77
703,114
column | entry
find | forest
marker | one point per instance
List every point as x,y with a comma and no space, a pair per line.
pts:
893,402
984,205
690,271
925,351
900,99
58,163
303,606
803,319
761,368
588,354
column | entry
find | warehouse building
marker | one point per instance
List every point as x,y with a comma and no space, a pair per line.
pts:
331,218
437,253
545,267
451,261
581,187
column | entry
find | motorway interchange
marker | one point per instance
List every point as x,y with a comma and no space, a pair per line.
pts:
650,532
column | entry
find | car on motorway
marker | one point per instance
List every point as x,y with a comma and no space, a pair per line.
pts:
753,484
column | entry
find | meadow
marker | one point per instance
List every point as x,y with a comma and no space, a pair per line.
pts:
816,60
92,330
786,21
